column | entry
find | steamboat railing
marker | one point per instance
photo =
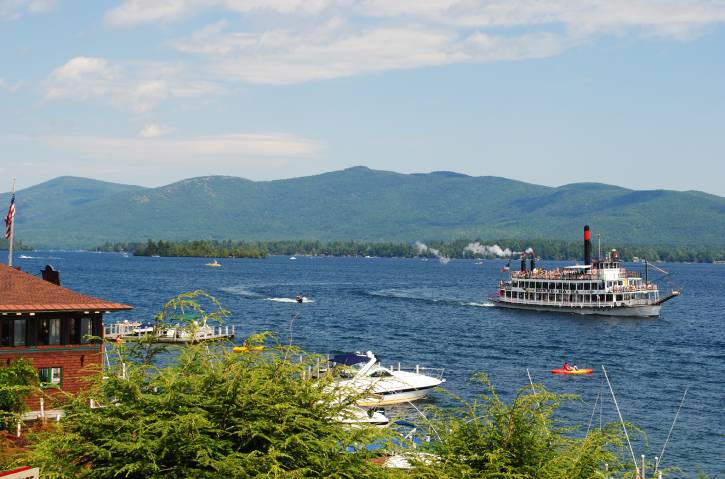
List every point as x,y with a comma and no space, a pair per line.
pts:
577,304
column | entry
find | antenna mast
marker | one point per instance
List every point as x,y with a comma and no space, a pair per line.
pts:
599,246
621,420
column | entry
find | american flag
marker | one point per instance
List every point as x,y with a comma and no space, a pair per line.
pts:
9,217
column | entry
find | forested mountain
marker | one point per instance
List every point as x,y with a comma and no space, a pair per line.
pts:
360,204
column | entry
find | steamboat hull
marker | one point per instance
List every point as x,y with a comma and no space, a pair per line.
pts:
639,311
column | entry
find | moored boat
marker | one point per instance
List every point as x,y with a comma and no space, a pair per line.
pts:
361,374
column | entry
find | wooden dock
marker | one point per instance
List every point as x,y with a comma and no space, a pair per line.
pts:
130,331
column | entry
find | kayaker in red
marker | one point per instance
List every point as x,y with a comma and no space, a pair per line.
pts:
566,367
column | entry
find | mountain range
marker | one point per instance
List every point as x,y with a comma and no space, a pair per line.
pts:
361,204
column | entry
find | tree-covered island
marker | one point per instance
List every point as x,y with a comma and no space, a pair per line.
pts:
463,248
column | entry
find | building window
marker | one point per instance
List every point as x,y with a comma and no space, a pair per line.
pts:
19,326
49,331
74,331
54,336
6,333
85,330
79,329
50,377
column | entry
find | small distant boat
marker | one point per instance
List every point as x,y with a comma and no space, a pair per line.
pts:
571,371
214,264
155,256
292,258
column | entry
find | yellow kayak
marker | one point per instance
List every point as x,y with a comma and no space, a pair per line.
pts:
247,349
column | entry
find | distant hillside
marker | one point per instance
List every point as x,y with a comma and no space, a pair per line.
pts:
361,204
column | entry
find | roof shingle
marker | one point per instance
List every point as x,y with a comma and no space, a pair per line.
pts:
21,292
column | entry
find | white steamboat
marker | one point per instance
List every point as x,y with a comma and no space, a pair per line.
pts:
602,287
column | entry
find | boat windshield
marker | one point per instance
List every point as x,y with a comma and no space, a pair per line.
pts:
347,371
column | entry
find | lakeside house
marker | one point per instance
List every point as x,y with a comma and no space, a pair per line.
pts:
50,325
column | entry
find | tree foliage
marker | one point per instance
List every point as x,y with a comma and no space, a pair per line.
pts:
211,414
17,381
488,438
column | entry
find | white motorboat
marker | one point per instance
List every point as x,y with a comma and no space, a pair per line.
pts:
361,374
356,416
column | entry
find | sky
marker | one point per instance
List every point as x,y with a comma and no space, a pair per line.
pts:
148,92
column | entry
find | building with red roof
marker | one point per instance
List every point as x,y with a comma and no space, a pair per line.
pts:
52,327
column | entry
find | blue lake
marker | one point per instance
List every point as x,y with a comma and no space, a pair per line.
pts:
438,315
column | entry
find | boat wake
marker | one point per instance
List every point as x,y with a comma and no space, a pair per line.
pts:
425,295
290,300
481,305
241,291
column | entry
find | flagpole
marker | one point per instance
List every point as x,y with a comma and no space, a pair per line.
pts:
12,233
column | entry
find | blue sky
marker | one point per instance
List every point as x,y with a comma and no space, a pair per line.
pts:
149,92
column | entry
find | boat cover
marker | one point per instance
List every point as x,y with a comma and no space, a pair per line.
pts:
349,359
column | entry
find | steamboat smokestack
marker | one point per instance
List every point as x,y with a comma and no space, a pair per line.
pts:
587,246
523,262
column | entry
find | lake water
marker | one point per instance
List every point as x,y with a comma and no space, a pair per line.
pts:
416,311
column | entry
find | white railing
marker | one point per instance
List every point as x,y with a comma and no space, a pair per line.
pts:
583,304
432,372
128,330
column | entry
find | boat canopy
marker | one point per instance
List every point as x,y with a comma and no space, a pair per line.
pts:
579,267
349,359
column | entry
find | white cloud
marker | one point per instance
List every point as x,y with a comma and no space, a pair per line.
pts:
585,15
160,160
42,6
15,9
139,86
336,48
292,41
134,12
154,148
154,131
335,38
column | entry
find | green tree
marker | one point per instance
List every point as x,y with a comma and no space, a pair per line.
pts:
17,381
206,413
488,438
